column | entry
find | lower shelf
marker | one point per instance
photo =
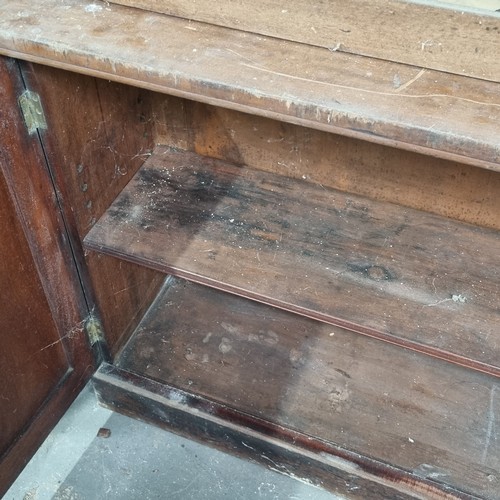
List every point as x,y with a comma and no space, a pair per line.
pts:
309,397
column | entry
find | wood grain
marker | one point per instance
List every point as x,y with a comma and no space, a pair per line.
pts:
407,277
413,180
32,359
446,39
436,113
91,161
412,412
290,453
45,357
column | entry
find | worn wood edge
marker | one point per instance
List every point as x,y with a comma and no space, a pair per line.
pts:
142,390
265,113
242,102
434,352
17,456
417,24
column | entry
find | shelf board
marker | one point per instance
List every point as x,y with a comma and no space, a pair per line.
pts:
404,417
447,38
400,105
404,276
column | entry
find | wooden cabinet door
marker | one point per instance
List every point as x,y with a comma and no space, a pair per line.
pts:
44,354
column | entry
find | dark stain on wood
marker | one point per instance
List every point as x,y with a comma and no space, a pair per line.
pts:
254,363
388,174
404,276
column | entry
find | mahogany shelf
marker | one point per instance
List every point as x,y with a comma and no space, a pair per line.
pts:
267,383
407,277
357,90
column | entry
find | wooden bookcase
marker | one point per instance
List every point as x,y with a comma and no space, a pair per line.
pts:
281,249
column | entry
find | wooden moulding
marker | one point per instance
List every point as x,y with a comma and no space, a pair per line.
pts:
445,38
407,277
236,433
414,108
268,381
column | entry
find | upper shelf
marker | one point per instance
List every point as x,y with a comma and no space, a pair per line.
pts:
410,107
450,38
404,276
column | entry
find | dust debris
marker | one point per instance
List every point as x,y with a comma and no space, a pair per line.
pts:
225,345
459,298
104,433
336,47
93,8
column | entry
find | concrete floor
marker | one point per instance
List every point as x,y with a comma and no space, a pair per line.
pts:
139,461
490,5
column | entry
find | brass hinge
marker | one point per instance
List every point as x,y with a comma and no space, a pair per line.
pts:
31,107
93,327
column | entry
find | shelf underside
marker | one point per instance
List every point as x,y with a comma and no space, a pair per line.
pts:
407,277
372,409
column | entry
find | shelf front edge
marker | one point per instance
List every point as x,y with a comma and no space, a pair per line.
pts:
430,112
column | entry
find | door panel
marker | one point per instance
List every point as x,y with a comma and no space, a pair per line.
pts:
110,133
32,359
45,357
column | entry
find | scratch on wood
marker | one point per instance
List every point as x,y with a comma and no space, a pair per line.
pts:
278,467
130,287
367,91
240,55
437,303
490,430
410,82
248,446
78,328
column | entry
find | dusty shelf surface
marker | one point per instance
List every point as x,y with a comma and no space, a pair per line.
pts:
424,416
407,277
347,91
